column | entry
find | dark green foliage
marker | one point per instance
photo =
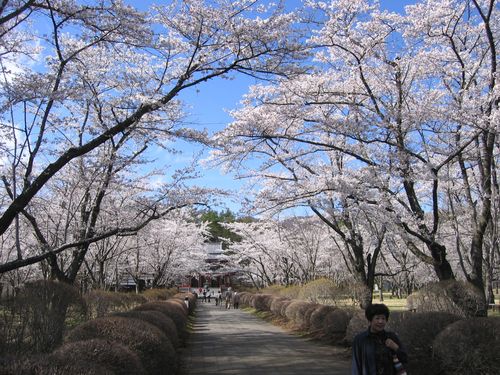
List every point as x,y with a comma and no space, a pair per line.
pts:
470,346
110,355
215,227
155,350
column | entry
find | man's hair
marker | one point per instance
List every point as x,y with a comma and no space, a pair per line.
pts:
376,309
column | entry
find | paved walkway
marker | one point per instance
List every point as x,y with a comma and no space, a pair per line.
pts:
236,342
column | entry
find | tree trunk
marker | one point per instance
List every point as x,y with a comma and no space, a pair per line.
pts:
441,265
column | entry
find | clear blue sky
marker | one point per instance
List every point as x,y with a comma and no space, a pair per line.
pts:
209,102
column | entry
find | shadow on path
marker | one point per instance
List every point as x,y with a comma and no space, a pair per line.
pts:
236,342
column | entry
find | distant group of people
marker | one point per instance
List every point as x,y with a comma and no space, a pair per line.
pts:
227,298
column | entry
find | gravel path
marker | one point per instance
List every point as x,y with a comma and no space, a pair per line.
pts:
236,342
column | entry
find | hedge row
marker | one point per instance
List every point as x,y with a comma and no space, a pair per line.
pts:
436,342
142,341
35,319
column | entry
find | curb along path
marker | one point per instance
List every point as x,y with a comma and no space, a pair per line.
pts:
236,342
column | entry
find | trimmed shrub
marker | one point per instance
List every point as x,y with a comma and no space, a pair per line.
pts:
110,355
417,332
262,302
36,319
284,306
158,294
335,324
470,346
155,350
357,324
156,318
43,365
131,300
455,297
277,306
319,291
295,312
171,310
250,300
317,318
191,299
244,298
101,303
307,315
179,305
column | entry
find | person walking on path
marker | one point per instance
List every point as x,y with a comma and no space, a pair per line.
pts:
236,300
229,297
377,351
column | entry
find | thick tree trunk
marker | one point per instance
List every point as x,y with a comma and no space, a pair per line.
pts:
441,265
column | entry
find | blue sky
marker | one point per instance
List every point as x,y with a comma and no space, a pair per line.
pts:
208,105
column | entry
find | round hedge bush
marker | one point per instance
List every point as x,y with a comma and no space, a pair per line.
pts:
262,302
110,355
470,346
170,310
295,312
335,324
306,323
277,306
284,306
317,318
452,296
245,299
418,330
191,299
156,318
357,324
155,350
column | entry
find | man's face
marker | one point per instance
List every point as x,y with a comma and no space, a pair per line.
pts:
378,323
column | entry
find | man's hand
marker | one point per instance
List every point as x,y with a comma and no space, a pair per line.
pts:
391,344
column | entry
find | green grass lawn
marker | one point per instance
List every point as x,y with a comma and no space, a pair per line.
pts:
393,303
399,304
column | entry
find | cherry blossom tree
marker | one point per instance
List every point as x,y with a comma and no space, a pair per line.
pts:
96,77
397,111
292,251
172,248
